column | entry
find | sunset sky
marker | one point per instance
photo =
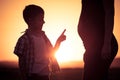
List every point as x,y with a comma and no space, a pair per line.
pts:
59,15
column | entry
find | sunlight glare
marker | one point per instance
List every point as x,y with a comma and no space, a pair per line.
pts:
66,53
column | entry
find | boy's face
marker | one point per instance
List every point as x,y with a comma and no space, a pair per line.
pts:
38,22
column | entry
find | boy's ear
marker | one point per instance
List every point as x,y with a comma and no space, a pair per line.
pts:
30,20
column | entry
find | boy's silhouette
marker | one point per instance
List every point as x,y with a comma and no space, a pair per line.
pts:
34,49
96,30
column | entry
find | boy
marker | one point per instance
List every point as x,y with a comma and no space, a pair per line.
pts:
34,49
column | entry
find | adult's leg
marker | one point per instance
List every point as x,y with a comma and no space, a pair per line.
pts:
93,65
107,61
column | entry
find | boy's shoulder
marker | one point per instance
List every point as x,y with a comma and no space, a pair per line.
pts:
23,37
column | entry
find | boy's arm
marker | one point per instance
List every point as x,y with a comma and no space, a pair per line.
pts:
20,46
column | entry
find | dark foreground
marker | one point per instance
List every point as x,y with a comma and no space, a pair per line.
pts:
65,74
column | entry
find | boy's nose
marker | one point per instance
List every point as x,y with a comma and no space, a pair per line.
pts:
43,22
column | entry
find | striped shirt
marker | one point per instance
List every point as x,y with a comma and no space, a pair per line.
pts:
24,49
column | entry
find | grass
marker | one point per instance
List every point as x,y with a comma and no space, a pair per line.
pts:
65,74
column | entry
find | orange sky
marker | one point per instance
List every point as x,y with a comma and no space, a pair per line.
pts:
59,15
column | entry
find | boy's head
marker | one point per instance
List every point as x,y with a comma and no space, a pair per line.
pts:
31,13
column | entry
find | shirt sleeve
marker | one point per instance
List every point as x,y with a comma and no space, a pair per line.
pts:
20,46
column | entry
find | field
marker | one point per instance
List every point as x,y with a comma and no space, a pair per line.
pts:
65,74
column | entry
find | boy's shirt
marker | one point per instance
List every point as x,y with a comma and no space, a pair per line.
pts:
41,55
32,52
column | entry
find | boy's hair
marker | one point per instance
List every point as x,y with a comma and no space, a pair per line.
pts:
31,11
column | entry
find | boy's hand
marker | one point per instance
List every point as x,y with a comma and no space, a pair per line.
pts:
62,37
